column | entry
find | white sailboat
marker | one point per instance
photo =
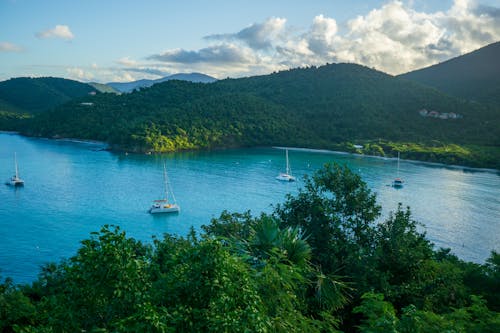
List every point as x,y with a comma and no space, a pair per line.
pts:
15,180
164,205
287,175
397,182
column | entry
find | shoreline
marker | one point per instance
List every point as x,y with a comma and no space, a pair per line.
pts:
117,149
437,164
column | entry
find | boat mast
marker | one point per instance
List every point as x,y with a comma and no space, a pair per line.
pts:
398,166
168,188
287,166
165,181
15,164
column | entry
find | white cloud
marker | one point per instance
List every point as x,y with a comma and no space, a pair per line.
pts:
126,61
394,38
114,74
257,35
59,31
222,53
79,74
321,37
9,47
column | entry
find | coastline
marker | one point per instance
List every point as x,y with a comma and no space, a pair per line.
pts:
437,164
135,150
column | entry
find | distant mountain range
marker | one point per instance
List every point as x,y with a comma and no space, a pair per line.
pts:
474,76
127,87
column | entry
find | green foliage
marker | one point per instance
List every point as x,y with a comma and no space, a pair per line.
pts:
400,253
15,308
204,288
324,107
284,272
484,280
379,315
473,76
106,281
11,120
35,95
282,257
336,211
436,151
474,318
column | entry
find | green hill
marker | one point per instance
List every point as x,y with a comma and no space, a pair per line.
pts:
324,107
104,88
35,95
474,76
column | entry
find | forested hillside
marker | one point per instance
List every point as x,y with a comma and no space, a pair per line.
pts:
320,107
35,95
474,76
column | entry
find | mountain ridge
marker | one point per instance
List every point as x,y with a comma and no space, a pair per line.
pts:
126,87
312,107
474,76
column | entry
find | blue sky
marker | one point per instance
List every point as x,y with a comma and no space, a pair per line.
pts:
110,40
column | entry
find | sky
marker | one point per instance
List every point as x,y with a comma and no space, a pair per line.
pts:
121,41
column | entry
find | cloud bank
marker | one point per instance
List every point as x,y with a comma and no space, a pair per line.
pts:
394,38
59,31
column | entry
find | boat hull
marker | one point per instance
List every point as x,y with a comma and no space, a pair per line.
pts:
15,183
397,183
164,209
285,177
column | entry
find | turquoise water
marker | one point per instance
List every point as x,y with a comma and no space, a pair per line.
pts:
74,188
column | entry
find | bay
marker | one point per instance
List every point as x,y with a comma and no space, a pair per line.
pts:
74,188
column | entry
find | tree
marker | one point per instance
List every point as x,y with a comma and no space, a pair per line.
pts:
400,254
379,315
15,308
291,287
104,283
336,212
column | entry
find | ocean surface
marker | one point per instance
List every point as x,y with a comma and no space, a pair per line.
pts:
74,188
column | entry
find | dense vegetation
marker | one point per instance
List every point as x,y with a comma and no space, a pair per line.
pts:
34,95
432,151
319,263
474,76
12,120
325,107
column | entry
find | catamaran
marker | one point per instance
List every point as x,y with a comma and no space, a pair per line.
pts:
397,182
15,180
164,205
287,175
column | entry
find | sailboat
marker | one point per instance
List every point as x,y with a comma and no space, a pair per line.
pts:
287,175
397,182
15,180
164,205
